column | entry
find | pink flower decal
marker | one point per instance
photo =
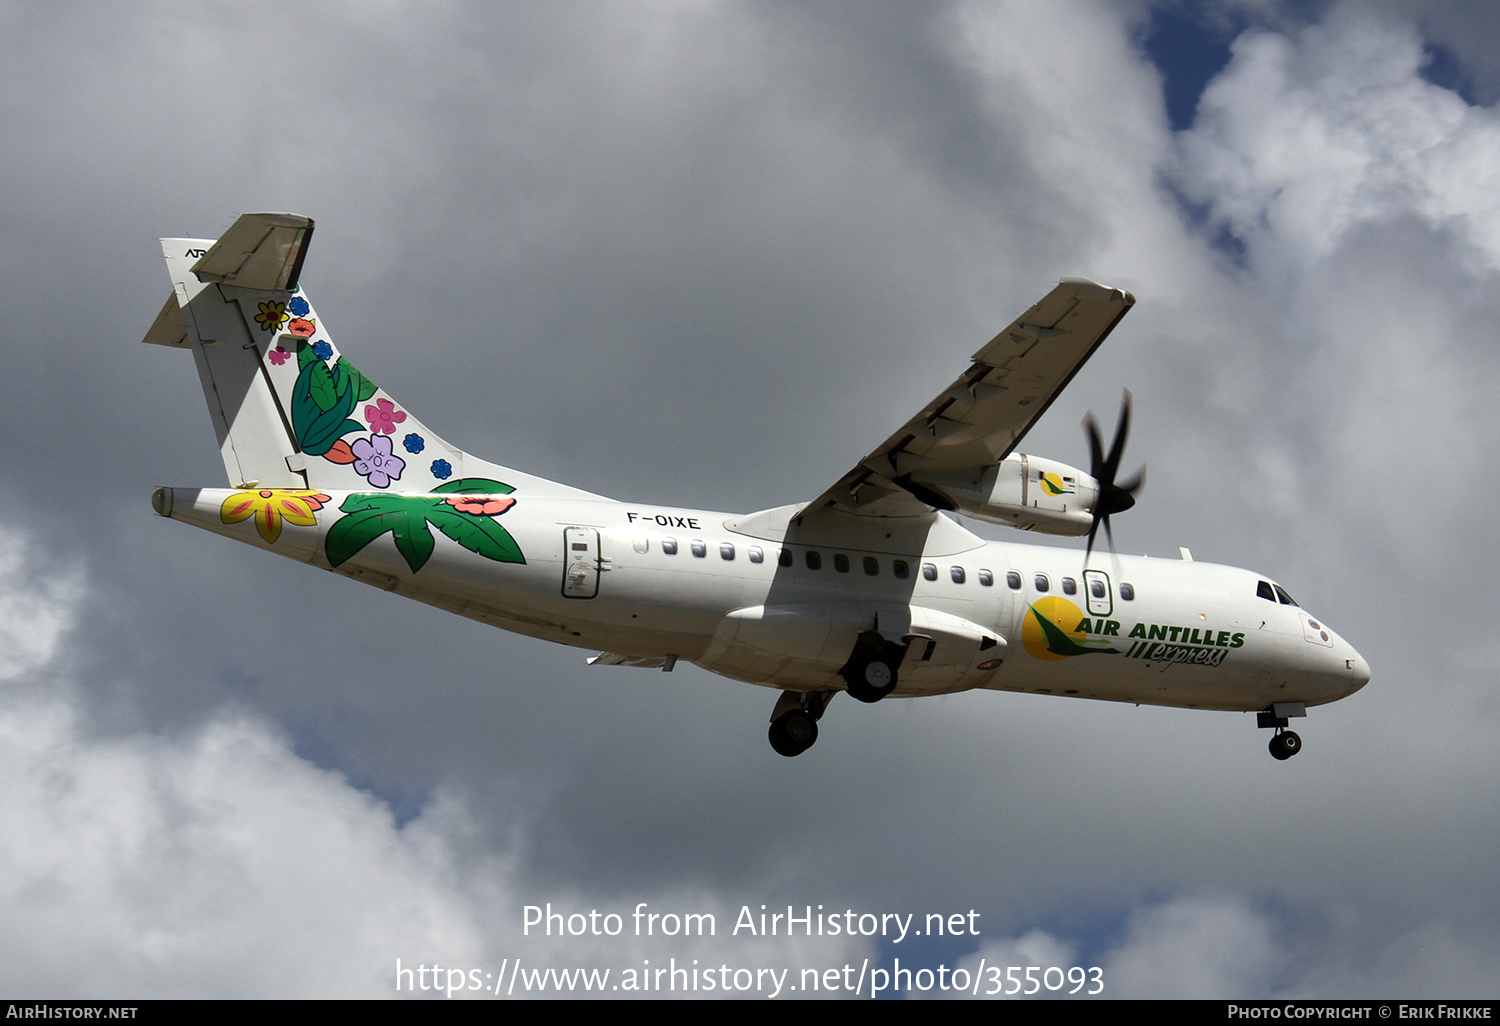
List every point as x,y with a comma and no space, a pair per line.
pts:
480,505
373,460
278,356
383,416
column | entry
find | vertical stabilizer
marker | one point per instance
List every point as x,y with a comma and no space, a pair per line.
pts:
288,410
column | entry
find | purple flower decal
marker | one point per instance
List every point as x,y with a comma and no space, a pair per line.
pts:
442,469
374,462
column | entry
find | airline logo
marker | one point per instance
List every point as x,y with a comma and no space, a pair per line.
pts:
1054,485
1055,629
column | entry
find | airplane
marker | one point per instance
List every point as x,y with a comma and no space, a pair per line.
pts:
872,588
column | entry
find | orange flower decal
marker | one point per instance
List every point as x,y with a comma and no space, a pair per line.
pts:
270,506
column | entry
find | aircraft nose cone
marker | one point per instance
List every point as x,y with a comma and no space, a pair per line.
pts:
1359,671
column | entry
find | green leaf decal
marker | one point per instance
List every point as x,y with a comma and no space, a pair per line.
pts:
321,386
350,534
473,486
477,534
320,410
364,388
372,514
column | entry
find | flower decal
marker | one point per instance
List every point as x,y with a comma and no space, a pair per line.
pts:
299,307
373,461
301,327
322,350
272,315
480,505
442,469
414,443
269,507
383,416
278,356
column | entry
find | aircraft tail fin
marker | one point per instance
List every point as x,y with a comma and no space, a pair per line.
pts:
289,410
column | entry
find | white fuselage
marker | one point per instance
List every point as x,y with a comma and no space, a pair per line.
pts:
750,598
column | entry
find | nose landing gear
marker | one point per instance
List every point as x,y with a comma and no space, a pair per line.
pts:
1285,743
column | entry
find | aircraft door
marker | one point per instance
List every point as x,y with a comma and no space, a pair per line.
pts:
1101,598
580,562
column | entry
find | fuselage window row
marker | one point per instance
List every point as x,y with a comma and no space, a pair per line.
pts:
901,569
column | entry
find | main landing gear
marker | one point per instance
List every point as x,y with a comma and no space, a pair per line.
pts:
870,673
1285,743
794,720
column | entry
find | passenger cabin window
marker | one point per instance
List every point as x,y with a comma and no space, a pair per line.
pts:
841,562
700,549
814,560
1263,590
929,571
669,546
986,578
1013,579
642,544
1070,586
756,555
901,569
1041,582
872,566
957,573
1127,592
1096,588
726,551
783,557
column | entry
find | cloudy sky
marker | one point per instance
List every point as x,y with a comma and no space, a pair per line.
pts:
708,254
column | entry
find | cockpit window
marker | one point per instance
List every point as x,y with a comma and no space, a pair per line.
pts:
1263,590
1286,599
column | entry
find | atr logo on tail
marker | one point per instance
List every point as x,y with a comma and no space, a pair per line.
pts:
1055,628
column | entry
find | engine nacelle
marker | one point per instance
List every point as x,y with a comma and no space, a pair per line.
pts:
1029,492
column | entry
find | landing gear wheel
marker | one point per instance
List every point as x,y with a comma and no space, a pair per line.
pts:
793,733
1285,745
872,681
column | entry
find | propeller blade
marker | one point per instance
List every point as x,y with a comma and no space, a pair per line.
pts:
1113,497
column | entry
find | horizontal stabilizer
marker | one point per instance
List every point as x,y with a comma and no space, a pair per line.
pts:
168,329
259,251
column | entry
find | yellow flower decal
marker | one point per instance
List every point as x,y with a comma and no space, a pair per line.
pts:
272,315
270,506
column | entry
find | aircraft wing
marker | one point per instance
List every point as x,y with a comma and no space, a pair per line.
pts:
978,420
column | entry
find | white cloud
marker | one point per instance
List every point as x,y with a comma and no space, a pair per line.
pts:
218,863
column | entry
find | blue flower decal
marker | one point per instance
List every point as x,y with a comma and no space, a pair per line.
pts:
442,469
322,350
414,443
299,307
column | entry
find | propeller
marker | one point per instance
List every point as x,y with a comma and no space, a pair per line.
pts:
1113,497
